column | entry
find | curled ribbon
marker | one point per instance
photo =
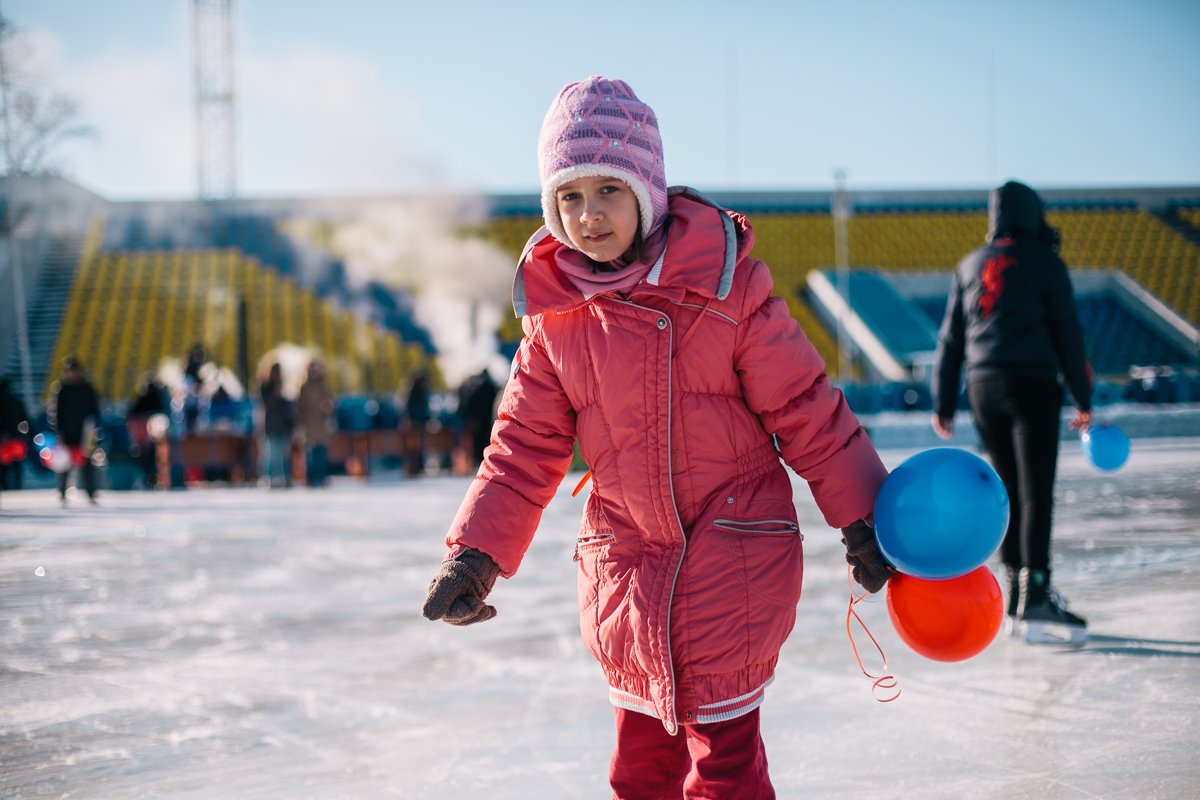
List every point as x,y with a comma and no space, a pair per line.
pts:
885,681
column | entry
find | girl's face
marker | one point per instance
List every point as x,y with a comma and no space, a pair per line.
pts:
600,216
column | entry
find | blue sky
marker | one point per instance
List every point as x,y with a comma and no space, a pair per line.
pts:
375,97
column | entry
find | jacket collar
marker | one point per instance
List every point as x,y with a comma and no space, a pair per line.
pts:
705,243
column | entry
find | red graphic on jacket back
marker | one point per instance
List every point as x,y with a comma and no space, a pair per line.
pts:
993,282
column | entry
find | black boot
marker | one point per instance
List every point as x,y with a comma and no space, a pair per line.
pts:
1042,615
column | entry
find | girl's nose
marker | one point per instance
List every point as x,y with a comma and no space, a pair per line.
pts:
590,212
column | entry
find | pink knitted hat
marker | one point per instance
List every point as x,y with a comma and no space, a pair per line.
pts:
598,127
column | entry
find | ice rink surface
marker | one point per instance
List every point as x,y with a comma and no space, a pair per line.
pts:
240,643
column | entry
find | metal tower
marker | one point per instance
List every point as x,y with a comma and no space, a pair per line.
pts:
212,58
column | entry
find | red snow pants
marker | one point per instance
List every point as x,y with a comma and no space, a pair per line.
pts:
718,761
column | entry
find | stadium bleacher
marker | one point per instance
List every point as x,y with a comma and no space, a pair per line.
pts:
131,310
244,278
1113,234
1190,215
186,267
1117,338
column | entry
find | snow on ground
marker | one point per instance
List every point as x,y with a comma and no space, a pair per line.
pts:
240,643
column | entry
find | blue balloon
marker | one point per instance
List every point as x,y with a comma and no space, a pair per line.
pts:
1106,447
941,514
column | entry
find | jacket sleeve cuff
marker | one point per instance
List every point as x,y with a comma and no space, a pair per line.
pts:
845,486
496,520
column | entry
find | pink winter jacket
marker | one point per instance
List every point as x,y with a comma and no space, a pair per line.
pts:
690,557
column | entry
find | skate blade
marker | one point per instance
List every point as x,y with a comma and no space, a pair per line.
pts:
1051,633
1011,627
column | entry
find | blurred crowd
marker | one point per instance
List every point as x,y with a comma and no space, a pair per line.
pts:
193,421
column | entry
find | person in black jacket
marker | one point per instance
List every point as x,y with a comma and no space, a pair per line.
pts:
279,422
14,430
416,407
1011,320
74,413
478,411
151,401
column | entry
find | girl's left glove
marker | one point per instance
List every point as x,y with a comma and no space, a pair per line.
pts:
870,569
457,592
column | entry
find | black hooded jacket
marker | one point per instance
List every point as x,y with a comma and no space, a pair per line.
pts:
1011,310
12,413
73,405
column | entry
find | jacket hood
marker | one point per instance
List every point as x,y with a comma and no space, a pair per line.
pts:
705,243
1015,209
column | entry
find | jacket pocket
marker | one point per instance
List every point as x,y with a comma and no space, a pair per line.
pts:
741,582
591,554
767,554
604,579
590,541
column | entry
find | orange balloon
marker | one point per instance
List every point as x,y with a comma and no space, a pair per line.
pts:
946,620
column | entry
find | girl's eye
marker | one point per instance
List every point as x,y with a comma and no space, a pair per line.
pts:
568,197
609,189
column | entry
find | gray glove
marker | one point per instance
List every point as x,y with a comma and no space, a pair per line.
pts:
457,592
870,570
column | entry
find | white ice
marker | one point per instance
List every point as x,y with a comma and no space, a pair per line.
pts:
240,643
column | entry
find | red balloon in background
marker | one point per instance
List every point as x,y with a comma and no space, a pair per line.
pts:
946,620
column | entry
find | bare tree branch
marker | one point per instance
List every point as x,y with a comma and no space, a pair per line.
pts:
39,120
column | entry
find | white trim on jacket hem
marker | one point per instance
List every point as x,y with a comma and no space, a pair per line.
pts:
720,711
733,708
631,702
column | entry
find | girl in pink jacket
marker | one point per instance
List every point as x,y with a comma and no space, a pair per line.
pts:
652,338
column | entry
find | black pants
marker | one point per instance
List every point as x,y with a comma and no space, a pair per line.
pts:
317,466
89,479
10,475
1018,421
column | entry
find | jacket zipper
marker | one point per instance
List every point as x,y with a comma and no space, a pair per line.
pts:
674,721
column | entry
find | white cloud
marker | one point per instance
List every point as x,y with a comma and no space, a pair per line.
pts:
309,120
145,114
138,104
39,55
315,120
309,79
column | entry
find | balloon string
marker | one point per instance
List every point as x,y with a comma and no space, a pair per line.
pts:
885,681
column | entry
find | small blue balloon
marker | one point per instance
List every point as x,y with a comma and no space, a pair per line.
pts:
941,514
1106,447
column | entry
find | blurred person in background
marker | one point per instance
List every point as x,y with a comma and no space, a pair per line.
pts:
477,407
147,421
74,413
314,408
417,413
193,382
14,435
278,426
1011,322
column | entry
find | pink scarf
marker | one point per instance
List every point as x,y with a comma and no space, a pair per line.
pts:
617,275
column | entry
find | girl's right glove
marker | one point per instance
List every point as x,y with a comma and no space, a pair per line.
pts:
457,592
870,569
